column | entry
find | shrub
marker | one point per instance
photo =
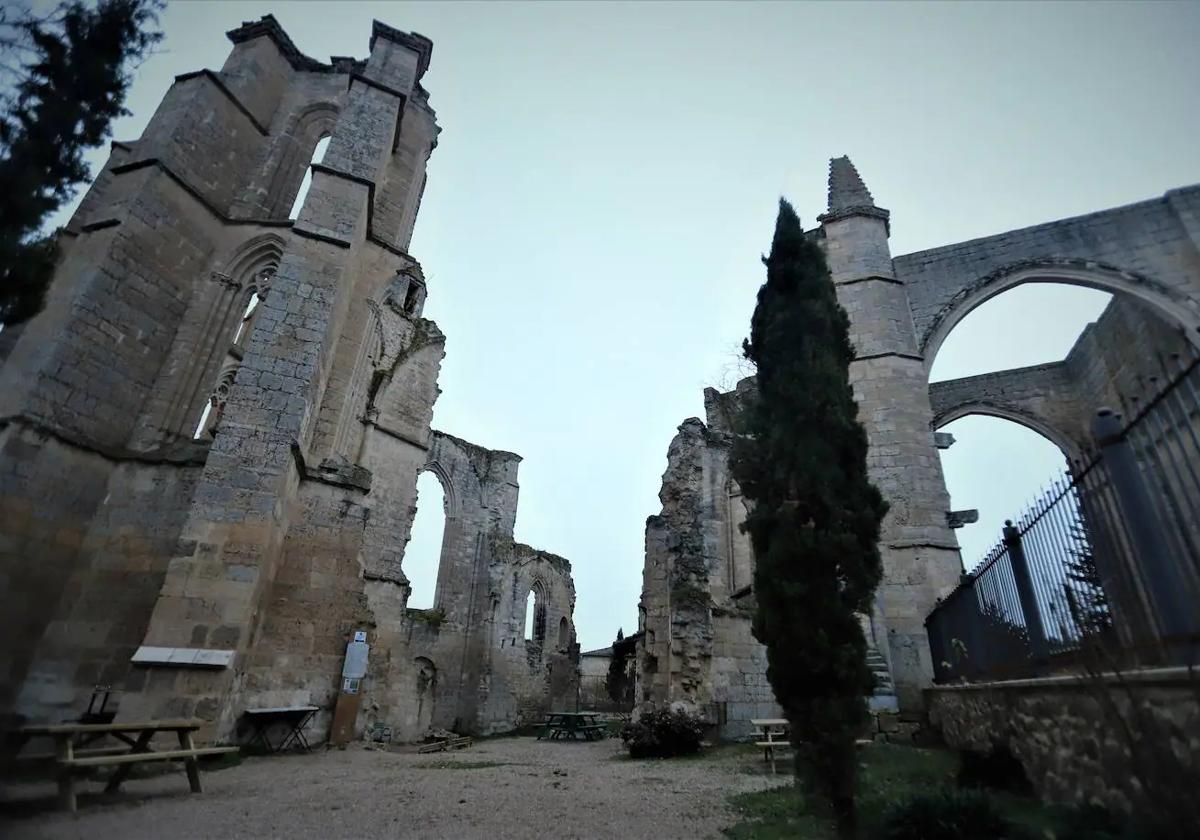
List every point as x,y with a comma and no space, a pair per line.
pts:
998,769
1091,822
948,815
662,734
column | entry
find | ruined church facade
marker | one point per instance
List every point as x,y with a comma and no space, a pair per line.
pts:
211,436
696,648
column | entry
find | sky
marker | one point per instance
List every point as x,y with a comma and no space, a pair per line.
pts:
608,174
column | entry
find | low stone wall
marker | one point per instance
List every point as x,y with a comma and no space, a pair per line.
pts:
1099,740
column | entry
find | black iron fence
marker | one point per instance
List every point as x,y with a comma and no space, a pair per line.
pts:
1106,559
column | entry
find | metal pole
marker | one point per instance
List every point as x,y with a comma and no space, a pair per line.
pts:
1025,591
1160,570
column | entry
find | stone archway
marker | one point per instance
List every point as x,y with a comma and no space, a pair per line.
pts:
1171,304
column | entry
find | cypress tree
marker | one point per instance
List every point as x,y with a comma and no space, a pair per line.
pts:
814,516
68,73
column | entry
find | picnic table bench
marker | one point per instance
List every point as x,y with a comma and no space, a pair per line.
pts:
567,724
134,749
771,733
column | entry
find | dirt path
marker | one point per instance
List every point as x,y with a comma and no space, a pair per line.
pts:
504,788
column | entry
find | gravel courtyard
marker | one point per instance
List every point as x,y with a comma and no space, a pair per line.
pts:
502,788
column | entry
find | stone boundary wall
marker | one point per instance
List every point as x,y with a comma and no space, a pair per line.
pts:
1068,732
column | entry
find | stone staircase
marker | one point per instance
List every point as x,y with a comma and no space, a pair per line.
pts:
883,698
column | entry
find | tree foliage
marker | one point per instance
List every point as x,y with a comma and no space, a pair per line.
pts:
800,458
618,683
67,75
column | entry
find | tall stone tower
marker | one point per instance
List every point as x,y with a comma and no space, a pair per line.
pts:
918,548
211,436
184,284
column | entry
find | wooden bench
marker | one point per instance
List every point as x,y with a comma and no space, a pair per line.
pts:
138,758
135,750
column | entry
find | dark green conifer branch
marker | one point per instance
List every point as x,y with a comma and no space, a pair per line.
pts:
800,458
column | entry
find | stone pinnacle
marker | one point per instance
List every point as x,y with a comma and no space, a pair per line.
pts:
846,188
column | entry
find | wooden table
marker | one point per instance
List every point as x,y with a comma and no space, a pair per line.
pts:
568,724
772,733
134,749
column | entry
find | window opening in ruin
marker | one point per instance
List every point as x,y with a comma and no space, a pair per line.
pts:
202,425
247,317
564,633
318,155
530,608
423,554
535,615
410,298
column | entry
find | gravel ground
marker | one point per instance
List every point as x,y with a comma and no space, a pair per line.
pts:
502,788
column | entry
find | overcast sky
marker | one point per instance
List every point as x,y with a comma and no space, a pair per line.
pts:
607,177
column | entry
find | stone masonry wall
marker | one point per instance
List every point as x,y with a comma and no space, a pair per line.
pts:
267,547
1069,733
697,649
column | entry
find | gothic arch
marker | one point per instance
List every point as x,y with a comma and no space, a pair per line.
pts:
200,352
226,319
444,479
288,165
1059,437
534,627
253,255
1169,304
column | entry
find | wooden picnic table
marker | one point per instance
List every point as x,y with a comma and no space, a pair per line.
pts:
771,733
568,724
135,738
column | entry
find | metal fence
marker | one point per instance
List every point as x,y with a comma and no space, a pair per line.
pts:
1106,559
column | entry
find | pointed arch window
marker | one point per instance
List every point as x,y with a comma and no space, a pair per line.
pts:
254,294
423,553
535,615
318,155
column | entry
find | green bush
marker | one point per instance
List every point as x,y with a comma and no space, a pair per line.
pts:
947,815
1091,822
662,734
997,769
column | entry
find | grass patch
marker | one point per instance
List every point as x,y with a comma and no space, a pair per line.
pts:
716,752
888,774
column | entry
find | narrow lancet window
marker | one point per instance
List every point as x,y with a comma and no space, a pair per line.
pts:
318,155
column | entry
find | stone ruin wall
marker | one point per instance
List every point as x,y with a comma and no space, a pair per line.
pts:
697,649
277,538
698,652
1065,732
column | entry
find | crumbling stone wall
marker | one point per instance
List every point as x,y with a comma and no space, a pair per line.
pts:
1068,732
697,651
247,559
